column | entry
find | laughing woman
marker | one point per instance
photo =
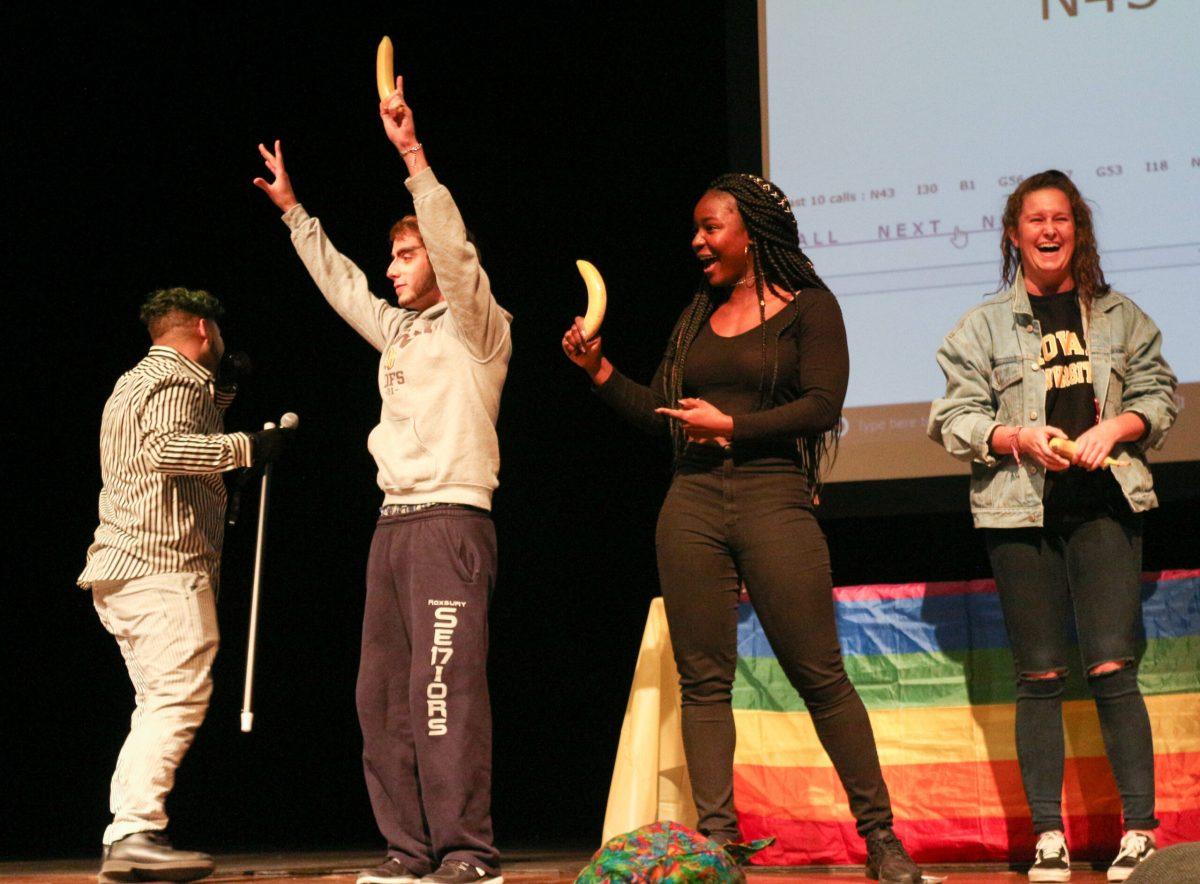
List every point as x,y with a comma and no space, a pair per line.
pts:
1060,355
750,390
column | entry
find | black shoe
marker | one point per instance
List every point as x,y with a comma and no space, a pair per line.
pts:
454,871
1051,860
149,856
391,871
888,861
1135,848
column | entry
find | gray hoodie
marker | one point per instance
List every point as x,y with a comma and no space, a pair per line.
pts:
440,371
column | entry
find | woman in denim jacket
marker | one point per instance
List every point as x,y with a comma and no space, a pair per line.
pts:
1059,355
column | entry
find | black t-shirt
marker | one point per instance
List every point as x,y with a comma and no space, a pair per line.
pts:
1070,401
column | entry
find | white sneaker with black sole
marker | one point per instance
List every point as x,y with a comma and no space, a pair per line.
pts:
1135,847
390,871
1051,861
454,871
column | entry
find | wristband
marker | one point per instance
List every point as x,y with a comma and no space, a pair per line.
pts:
1014,444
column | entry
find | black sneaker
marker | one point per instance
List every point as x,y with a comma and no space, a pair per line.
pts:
888,861
390,871
1051,861
454,871
149,856
1135,847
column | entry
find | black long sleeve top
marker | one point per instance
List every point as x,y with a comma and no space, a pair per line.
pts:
814,368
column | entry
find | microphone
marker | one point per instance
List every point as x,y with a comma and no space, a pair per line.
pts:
234,366
289,421
239,362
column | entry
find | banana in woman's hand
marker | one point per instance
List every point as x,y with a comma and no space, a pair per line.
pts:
1068,448
597,298
385,72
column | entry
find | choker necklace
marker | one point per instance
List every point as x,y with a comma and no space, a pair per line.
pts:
746,280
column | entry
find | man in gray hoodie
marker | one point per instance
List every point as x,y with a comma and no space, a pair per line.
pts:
422,684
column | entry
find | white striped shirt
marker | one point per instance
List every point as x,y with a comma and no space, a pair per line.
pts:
162,450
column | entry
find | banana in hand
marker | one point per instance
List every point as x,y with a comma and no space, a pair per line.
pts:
597,298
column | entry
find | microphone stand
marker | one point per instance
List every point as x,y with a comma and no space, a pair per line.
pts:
247,713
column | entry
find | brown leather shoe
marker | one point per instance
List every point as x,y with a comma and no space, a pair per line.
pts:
149,856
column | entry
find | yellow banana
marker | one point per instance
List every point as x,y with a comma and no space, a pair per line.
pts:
1067,449
597,298
385,73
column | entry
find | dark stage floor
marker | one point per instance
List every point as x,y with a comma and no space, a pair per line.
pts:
521,867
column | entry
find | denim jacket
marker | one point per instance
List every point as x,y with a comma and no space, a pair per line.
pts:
993,378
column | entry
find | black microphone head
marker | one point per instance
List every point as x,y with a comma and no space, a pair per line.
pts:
239,362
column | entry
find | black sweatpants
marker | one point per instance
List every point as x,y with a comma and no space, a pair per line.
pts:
422,687
754,522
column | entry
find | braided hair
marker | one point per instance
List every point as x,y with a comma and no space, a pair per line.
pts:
779,261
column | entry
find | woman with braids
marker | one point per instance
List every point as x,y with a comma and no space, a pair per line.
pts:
1060,355
750,390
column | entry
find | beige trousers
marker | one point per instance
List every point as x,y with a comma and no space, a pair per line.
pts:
166,627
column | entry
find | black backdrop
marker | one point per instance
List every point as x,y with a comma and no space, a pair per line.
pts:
564,131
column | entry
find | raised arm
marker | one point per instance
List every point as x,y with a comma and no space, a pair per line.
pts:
280,188
340,280
397,119
482,325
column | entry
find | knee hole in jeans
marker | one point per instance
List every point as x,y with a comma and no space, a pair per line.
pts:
1111,684
1108,667
1048,675
1032,685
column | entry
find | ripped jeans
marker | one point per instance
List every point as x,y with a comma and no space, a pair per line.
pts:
1085,572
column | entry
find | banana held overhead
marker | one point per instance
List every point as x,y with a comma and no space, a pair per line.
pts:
385,71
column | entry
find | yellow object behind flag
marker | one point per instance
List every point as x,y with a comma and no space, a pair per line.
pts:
650,780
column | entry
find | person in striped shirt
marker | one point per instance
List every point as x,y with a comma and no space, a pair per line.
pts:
153,566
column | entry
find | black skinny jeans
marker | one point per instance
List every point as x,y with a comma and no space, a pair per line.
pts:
754,522
1086,571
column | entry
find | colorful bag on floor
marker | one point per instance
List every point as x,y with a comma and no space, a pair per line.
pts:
667,852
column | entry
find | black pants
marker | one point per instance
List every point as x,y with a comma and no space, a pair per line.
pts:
422,687
1085,571
754,522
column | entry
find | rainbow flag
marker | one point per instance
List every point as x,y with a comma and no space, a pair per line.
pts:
932,664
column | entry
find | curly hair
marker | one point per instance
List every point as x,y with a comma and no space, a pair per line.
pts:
1085,261
778,259
166,308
